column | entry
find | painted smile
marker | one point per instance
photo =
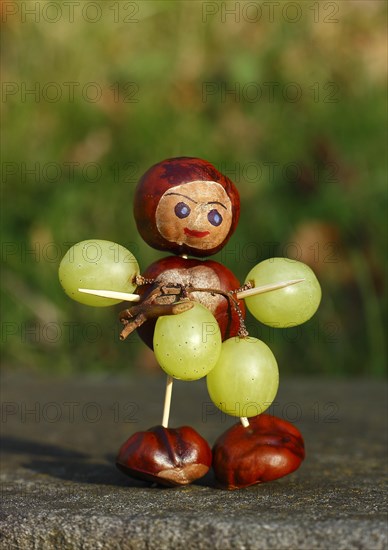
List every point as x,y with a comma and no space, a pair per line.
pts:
194,233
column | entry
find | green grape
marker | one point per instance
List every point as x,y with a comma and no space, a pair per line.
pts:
245,380
97,265
289,306
187,345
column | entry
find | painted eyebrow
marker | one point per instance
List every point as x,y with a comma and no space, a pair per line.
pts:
216,202
181,195
192,200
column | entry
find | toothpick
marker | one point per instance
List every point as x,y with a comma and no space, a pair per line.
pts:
266,288
244,421
125,296
167,401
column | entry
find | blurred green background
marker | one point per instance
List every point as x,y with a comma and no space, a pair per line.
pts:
287,100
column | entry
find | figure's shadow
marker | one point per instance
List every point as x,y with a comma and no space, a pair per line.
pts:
67,464
70,465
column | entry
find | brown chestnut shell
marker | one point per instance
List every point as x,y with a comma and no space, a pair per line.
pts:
167,456
268,449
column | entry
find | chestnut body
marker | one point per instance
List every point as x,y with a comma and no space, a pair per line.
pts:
199,274
166,456
269,448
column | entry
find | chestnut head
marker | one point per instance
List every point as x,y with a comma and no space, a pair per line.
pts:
186,206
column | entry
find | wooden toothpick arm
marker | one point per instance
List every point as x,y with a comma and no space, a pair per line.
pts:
128,297
266,288
124,296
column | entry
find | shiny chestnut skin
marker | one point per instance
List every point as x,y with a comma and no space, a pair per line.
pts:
185,205
167,456
268,449
201,274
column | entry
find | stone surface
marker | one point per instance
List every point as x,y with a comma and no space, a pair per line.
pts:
61,490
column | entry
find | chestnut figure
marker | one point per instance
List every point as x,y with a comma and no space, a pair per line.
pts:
186,206
268,449
166,456
199,274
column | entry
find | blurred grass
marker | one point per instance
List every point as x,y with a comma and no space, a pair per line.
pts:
311,172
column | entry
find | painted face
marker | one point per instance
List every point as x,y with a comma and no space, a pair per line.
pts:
197,214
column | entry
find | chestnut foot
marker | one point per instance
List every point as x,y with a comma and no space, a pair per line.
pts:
166,456
269,448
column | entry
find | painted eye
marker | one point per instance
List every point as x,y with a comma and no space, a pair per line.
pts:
182,210
214,217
